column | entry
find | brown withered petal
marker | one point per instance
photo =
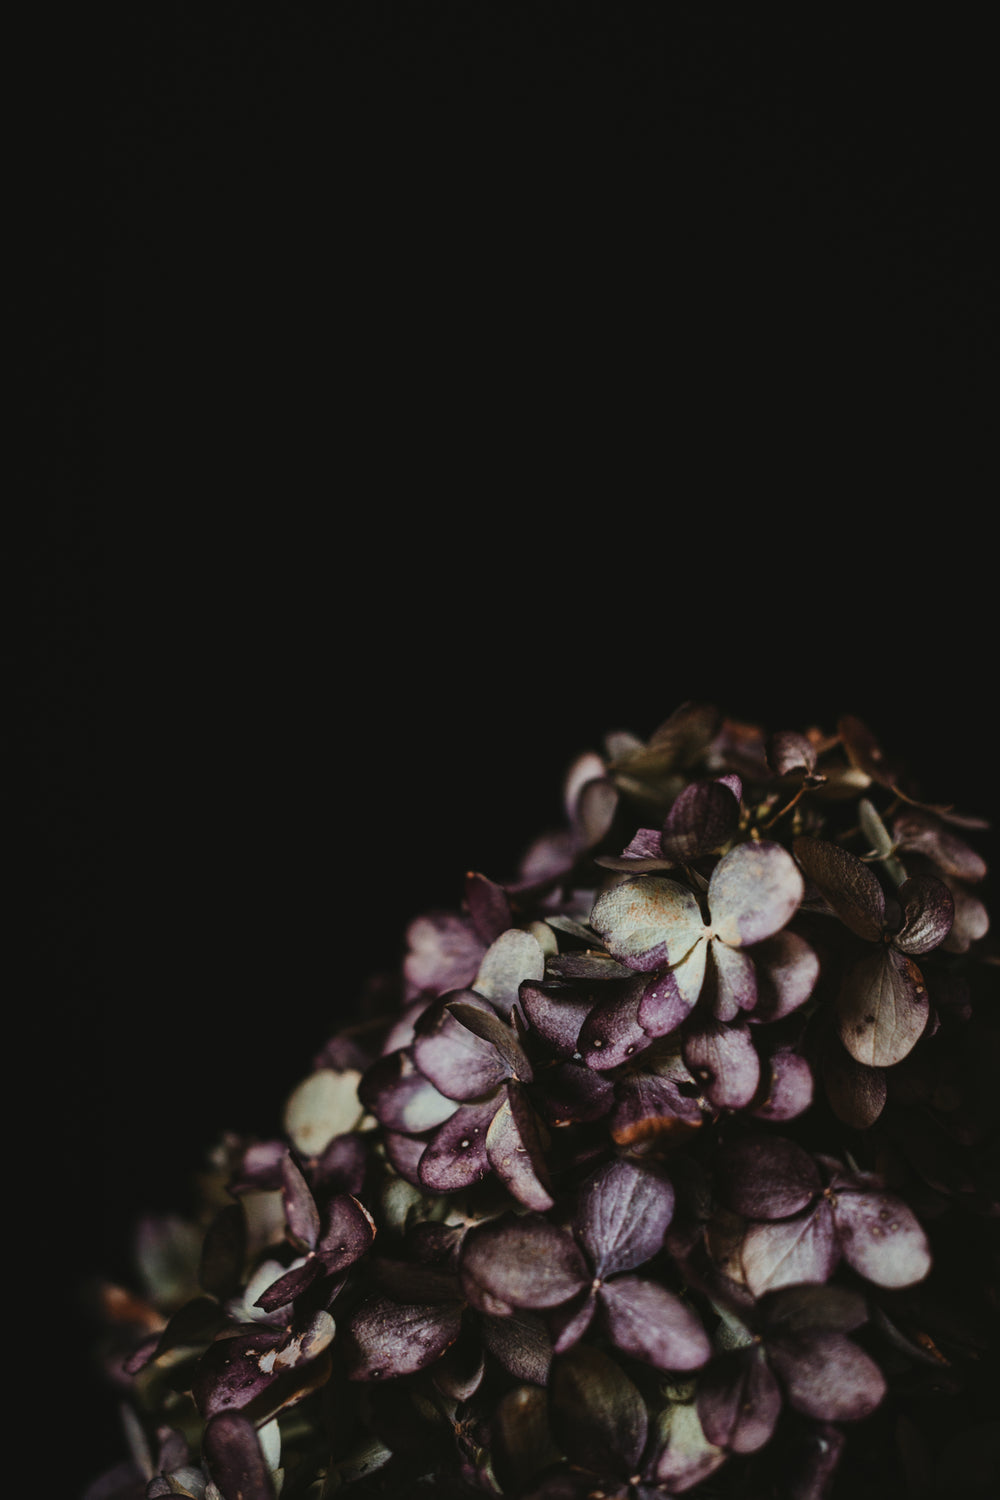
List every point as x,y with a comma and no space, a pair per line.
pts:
882,1008
920,832
521,1343
788,752
489,908
847,885
928,914
522,1442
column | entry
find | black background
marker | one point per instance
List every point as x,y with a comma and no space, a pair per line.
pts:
476,379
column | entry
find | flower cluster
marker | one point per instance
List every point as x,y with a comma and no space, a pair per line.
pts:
662,1167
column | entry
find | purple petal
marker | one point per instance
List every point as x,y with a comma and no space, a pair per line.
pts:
283,1292
521,1261
349,1233
735,981
597,1413
881,1238
595,811
641,853
611,1033
458,1063
556,1012
922,833
576,1093
766,1177
928,914
516,1152
669,997
648,921
485,1024
739,1400
444,953
622,1215
301,1213
402,1099
650,1323
703,818
489,911
811,1307
651,1107
723,1060
455,1156
827,1376
787,971
235,1461
882,1008
848,886
754,890
386,1339
789,1088
570,1322
803,1248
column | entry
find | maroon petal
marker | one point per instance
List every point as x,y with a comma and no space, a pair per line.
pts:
928,914
570,1322
881,1238
848,886
576,1093
235,1461
521,1261
916,830
455,1156
386,1339
739,1400
556,1012
611,1033
622,1215
650,1323
597,1413
283,1292
301,1213
827,1376
788,752
349,1233
882,1008
803,1248
766,1177
811,1308
787,971
703,817
754,890
516,1152
445,952
724,1062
